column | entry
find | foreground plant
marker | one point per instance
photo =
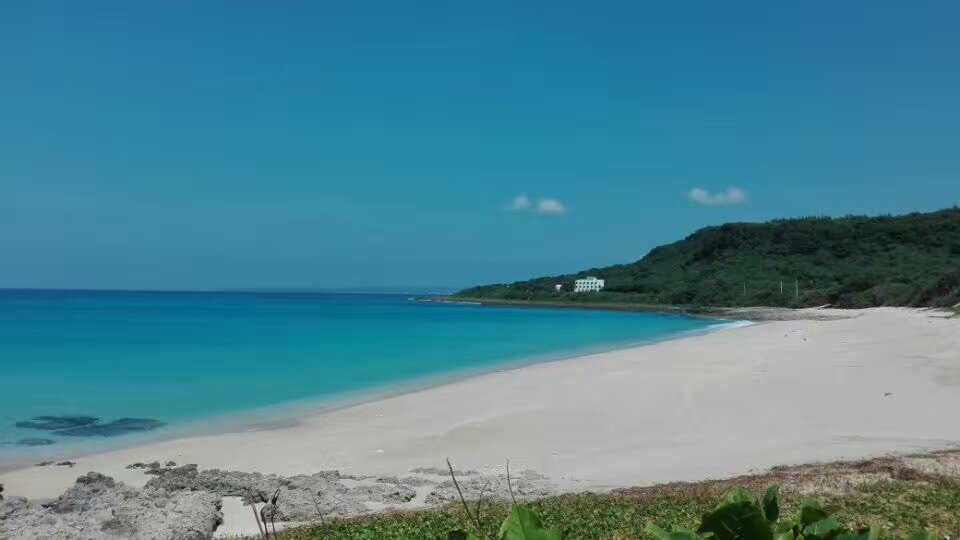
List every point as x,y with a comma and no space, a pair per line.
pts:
522,523
738,516
267,512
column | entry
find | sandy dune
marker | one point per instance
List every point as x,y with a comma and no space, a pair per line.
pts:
778,392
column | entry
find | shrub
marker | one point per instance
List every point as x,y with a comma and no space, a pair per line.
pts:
738,516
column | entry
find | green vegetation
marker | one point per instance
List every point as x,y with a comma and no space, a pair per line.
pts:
895,507
739,516
910,260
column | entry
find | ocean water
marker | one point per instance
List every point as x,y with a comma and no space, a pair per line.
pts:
205,361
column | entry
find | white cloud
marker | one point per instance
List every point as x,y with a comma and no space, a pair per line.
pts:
732,195
520,202
550,206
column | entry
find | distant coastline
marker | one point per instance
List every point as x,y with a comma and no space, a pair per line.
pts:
561,304
756,313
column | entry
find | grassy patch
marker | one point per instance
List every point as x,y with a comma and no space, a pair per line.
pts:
898,506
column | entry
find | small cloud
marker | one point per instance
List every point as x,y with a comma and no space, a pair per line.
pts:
550,206
732,195
520,202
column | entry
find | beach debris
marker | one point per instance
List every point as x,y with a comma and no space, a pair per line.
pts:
66,463
54,423
43,464
32,441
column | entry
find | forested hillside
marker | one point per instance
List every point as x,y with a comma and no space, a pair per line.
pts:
910,260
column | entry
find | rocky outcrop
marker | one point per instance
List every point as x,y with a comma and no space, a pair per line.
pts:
98,508
301,498
527,485
184,502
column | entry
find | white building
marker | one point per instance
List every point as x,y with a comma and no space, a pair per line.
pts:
589,284
558,287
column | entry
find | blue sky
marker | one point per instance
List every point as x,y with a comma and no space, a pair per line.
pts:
235,144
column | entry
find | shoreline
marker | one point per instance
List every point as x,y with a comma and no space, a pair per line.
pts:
706,406
290,413
748,313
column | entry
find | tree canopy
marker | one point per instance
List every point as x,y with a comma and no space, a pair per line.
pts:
853,262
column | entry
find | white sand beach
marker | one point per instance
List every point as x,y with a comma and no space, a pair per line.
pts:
779,392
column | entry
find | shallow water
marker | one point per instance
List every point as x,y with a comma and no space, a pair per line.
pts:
183,358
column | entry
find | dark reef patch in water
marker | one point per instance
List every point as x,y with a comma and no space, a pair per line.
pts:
122,426
84,426
32,441
54,423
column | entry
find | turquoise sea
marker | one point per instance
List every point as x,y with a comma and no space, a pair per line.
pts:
197,362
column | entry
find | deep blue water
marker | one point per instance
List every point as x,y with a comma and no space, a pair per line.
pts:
186,357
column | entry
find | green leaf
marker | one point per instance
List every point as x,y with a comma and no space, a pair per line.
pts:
657,532
786,535
811,512
737,518
462,535
872,533
524,524
677,534
771,503
785,526
824,529
737,497
920,535
684,535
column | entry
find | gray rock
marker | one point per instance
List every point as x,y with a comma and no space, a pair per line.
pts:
441,472
528,485
415,481
99,508
383,493
301,498
184,502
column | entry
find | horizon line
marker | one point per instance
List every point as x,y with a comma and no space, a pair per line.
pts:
304,291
